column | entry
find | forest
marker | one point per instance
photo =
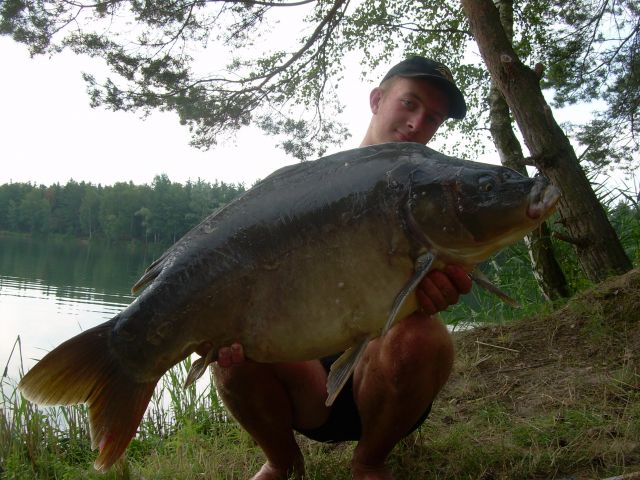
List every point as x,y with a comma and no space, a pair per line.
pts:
158,213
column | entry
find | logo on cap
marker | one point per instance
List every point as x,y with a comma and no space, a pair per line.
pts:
445,72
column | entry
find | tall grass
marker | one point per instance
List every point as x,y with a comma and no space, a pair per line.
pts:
30,437
54,442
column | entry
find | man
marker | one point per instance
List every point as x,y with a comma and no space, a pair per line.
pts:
396,381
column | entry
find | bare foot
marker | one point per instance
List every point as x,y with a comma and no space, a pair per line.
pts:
271,472
370,472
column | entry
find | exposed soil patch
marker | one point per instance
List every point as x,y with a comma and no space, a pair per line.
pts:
569,381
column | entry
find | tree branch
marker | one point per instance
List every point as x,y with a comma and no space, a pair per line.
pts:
413,27
578,242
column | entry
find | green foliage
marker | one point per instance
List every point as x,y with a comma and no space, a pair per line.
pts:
595,56
159,213
625,218
165,62
510,270
623,208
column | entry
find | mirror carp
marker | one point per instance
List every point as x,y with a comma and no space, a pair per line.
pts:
319,257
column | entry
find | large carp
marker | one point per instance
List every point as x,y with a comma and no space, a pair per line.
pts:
319,257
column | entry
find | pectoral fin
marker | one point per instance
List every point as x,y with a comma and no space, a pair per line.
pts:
482,281
423,264
199,367
342,369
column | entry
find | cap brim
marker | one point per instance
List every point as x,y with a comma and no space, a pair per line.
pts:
457,105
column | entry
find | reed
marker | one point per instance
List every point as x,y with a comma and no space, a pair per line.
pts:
54,442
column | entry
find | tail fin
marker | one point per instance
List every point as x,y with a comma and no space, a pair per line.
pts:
83,370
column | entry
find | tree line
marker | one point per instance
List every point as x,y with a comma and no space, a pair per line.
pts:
156,213
579,51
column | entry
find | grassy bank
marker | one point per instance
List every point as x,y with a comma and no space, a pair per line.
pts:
555,396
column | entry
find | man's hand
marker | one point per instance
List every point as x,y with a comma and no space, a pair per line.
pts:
442,288
227,356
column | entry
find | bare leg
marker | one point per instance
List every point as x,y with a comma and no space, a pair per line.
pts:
268,400
400,375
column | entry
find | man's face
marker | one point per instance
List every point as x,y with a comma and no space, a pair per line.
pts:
406,110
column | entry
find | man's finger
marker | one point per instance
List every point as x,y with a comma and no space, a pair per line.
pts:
445,287
459,277
224,357
237,353
431,291
425,302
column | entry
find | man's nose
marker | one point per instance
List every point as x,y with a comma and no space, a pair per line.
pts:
414,122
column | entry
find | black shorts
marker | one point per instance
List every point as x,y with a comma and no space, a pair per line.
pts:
343,423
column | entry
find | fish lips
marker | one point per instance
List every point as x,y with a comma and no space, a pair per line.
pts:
542,199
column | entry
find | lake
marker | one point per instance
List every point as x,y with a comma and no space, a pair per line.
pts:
51,290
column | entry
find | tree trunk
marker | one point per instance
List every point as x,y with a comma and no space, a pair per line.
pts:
599,250
546,268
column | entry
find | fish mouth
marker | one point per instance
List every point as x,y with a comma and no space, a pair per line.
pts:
542,200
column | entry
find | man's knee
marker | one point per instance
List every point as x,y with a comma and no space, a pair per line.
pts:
419,334
419,348
228,379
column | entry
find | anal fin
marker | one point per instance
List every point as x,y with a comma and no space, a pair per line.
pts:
199,366
342,369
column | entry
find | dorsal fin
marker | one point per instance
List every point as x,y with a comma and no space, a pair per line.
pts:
150,273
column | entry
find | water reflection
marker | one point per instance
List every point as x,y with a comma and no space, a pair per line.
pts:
62,263
52,290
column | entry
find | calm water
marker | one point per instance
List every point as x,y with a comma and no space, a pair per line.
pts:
52,290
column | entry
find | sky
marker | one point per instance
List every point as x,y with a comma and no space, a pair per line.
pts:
49,133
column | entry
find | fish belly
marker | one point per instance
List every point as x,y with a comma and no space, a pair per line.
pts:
324,297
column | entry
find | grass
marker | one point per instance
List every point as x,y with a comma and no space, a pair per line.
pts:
543,397
546,391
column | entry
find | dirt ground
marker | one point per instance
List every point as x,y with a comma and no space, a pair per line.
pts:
585,357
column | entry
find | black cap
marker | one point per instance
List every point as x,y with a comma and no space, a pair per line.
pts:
435,72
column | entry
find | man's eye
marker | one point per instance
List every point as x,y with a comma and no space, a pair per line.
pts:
407,103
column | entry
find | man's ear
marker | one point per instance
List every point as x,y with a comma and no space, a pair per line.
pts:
374,99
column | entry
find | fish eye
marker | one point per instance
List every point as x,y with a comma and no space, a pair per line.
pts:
486,184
